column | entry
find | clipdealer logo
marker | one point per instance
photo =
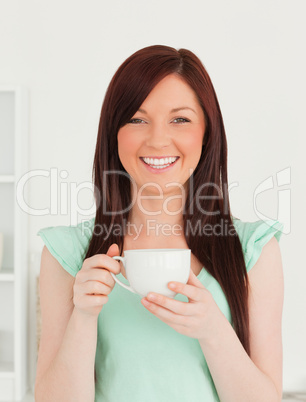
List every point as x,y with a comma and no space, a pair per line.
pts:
64,196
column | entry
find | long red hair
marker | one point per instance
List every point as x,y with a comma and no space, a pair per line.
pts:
222,255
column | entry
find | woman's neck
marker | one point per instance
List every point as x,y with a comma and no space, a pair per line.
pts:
153,210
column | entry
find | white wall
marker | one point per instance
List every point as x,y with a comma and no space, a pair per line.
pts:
65,53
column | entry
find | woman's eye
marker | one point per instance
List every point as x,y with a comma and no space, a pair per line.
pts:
178,120
135,121
181,120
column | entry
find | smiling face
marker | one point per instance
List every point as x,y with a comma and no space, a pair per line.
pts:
162,143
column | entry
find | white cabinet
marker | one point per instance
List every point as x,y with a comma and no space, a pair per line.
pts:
14,227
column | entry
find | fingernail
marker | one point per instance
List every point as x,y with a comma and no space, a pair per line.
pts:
172,285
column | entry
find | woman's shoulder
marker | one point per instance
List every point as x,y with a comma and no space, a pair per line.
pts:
68,244
255,235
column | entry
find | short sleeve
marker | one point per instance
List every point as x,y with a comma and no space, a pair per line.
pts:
254,236
68,244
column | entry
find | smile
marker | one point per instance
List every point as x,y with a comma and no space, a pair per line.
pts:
159,164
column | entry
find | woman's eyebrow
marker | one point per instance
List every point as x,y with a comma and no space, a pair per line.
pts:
171,111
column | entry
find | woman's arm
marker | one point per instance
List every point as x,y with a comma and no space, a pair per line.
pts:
70,309
65,366
238,377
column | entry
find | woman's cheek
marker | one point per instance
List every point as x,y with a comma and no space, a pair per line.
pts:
128,145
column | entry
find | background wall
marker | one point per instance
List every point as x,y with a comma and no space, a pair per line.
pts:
65,53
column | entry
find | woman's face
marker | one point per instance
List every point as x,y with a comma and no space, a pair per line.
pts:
168,129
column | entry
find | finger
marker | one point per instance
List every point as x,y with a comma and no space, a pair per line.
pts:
96,300
113,250
191,291
164,314
96,288
176,306
190,287
103,261
96,274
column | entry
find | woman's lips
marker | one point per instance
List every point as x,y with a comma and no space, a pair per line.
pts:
161,170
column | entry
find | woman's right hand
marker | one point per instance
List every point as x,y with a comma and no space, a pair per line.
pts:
93,283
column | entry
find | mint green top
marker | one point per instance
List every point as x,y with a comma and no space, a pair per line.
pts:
139,358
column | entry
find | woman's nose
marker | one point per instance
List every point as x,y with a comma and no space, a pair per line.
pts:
158,137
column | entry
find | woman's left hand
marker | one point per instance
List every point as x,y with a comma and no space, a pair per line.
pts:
197,319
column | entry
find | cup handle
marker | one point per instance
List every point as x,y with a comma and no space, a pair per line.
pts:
117,280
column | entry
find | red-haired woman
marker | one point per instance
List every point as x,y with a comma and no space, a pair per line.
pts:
161,161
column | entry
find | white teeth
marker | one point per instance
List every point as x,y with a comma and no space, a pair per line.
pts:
160,167
163,162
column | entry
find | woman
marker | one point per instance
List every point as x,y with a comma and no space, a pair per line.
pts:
161,157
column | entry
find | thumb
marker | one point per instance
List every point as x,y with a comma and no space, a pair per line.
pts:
113,250
194,281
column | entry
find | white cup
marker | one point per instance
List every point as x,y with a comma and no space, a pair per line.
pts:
150,270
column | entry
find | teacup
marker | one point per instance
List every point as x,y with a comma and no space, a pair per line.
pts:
150,270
